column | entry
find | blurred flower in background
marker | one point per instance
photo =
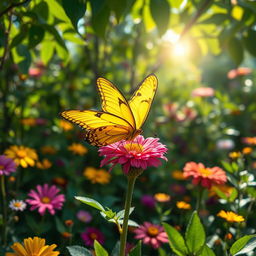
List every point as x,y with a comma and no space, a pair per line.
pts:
148,201
17,205
84,216
203,92
99,176
230,216
7,165
241,71
78,149
92,234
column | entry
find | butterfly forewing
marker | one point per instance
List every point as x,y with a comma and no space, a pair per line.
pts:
142,98
114,102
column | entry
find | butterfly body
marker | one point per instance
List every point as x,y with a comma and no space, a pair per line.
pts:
119,119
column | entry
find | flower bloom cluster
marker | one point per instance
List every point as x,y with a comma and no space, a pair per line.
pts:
151,234
45,198
33,246
139,153
204,176
230,216
92,234
7,166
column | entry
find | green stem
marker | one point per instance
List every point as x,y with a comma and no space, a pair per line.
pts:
4,209
199,198
128,200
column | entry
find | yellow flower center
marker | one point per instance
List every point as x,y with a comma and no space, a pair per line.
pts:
1,167
152,231
134,147
21,153
45,200
17,204
205,172
93,236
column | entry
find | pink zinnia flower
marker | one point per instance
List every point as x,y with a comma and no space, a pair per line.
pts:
92,234
46,198
84,216
204,176
7,165
203,92
148,201
242,71
151,234
139,153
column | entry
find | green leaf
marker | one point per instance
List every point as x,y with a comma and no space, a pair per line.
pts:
227,166
235,50
75,10
35,36
42,12
207,251
176,240
160,11
216,18
195,235
91,202
47,51
100,16
76,250
136,251
249,247
120,214
249,41
240,244
59,225
118,7
56,10
99,250
25,60
115,251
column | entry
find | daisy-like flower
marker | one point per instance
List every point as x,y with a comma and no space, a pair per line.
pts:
44,164
230,216
21,155
92,234
162,197
33,247
78,149
139,153
84,216
203,92
45,198
204,176
97,175
151,234
183,205
7,166
17,205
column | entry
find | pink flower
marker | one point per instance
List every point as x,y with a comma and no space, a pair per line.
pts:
92,234
35,72
148,201
242,71
203,92
46,198
138,153
7,165
151,234
204,175
84,216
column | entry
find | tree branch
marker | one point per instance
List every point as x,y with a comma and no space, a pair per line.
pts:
13,5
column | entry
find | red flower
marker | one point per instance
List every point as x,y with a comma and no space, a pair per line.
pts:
92,234
204,176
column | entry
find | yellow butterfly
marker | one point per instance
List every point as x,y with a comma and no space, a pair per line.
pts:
119,119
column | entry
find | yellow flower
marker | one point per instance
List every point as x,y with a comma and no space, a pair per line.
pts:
177,175
33,247
162,197
183,205
65,125
21,155
247,150
234,155
29,121
44,164
48,150
230,216
97,175
227,190
78,149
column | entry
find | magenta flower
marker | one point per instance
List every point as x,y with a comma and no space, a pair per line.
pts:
92,234
148,201
46,198
7,165
139,153
151,234
84,216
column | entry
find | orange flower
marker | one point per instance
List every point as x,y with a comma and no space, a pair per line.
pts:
227,190
65,125
247,150
162,197
230,216
183,205
249,140
234,155
29,121
242,71
44,164
48,150
177,175
228,236
78,149
97,175
204,176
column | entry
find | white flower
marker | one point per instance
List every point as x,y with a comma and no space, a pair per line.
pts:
17,205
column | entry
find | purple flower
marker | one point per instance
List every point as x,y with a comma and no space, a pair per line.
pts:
84,216
7,165
148,201
46,198
92,234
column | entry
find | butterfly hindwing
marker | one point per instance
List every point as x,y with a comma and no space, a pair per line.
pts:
142,98
114,102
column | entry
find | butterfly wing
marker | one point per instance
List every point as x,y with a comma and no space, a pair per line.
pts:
114,102
142,98
101,128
